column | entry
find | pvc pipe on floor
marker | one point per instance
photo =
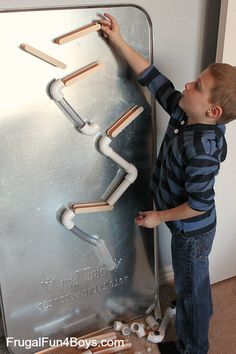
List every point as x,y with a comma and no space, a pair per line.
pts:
122,327
138,329
157,338
152,323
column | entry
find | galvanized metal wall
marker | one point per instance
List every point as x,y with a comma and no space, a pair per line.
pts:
52,283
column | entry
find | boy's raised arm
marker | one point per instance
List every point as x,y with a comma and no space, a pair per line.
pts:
160,86
111,31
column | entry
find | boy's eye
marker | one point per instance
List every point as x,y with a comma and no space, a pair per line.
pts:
197,86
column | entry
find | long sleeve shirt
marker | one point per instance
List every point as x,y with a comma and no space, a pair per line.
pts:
188,160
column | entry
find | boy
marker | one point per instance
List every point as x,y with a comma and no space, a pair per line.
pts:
183,181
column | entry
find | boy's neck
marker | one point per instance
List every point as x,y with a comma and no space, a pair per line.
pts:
200,120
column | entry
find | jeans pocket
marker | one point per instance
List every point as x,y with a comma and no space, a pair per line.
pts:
204,244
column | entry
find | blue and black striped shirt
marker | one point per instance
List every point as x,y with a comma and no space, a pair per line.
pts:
188,160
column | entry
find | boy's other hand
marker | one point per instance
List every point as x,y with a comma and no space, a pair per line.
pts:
148,219
110,28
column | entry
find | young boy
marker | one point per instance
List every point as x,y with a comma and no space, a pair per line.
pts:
183,181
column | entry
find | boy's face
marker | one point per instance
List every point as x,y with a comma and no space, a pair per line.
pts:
196,96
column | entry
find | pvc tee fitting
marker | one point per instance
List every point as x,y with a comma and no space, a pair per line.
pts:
138,328
123,328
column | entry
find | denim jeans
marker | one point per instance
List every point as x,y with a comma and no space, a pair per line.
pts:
192,285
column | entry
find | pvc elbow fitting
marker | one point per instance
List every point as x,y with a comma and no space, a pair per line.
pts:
55,90
154,338
132,173
104,145
66,219
90,128
157,338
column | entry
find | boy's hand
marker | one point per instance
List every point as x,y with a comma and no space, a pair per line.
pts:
148,219
110,28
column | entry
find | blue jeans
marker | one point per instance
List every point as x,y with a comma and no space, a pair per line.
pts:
192,285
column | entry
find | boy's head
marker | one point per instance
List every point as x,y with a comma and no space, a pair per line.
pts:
212,97
224,91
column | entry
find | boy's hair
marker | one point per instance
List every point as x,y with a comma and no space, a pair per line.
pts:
224,92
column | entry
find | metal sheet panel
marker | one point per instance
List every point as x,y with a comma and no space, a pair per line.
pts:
52,283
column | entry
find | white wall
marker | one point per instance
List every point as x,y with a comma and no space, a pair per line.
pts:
226,48
223,260
184,43
186,38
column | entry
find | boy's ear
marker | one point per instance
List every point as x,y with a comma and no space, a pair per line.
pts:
214,112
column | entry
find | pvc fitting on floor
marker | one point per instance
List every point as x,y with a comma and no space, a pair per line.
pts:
118,325
126,330
152,323
121,327
138,329
155,338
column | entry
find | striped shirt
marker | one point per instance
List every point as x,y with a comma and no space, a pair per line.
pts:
188,160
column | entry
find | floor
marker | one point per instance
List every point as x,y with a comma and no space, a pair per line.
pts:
222,326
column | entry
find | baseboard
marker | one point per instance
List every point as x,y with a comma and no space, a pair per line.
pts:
166,275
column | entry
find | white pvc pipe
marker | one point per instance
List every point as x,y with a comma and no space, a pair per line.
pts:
123,328
55,90
118,325
99,244
169,313
126,330
130,169
132,173
152,323
66,219
138,329
109,152
154,338
118,192
157,338
150,308
89,128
